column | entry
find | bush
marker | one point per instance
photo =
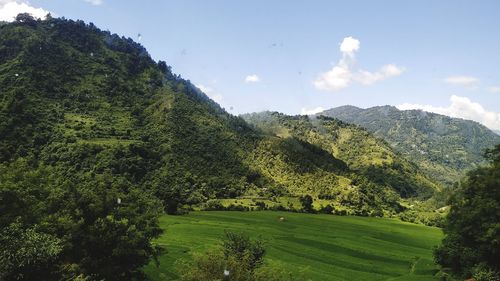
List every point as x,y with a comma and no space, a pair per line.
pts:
328,209
261,205
483,272
213,205
240,257
307,203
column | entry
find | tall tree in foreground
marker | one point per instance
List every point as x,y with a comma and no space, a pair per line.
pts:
471,246
56,227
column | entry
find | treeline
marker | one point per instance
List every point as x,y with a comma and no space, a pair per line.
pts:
471,247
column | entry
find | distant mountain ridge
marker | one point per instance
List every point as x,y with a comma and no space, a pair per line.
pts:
365,155
445,147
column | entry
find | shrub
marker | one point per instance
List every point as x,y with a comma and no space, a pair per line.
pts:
328,209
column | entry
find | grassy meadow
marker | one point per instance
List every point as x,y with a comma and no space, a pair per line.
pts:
315,247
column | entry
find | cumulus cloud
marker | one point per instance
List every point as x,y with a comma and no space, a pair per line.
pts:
210,93
312,111
337,78
94,2
343,74
9,9
461,107
462,80
253,78
349,46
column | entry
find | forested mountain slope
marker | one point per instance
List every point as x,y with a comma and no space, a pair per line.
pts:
89,102
442,146
365,155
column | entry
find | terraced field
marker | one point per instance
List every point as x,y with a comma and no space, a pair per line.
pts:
318,247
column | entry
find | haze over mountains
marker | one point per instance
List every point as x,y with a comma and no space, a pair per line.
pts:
444,147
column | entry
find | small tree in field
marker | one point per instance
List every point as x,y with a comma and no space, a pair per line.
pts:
241,247
239,259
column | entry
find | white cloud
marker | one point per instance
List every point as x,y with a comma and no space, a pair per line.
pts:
343,74
349,46
95,2
386,71
9,9
311,111
210,93
462,80
252,78
494,89
461,107
337,78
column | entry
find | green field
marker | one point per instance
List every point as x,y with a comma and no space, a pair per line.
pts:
319,247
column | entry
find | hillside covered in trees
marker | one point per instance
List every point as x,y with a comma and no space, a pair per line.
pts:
444,147
97,140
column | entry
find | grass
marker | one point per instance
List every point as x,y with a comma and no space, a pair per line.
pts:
319,247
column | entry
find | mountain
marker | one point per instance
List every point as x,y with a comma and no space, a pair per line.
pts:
444,147
362,152
92,104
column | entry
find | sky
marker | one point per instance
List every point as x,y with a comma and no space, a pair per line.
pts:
300,57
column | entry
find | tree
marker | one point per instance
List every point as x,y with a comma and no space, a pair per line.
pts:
473,225
239,259
25,18
27,254
50,220
307,202
241,247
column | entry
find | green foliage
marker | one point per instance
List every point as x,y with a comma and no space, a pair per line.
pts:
211,265
369,175
442,146
423,217
307,203
484,273
241,259
472,227
239,246
74,219
27,254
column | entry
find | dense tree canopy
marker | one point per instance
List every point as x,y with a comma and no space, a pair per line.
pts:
444,147
472,229
56,225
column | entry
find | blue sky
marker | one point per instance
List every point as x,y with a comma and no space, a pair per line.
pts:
441,56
